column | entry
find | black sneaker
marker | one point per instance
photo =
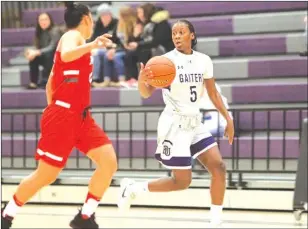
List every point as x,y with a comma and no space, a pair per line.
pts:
6,222
80,223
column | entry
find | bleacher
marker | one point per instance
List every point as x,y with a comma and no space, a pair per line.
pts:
254,47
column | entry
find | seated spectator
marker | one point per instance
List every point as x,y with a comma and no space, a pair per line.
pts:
46,39
114,66
305,53
106,23
131,58
156,38
213,120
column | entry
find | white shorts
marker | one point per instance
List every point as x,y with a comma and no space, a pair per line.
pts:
177,146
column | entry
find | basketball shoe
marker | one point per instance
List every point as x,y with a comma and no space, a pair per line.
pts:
6,221
80,223
127,194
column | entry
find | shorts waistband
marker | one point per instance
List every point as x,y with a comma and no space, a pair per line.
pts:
169,111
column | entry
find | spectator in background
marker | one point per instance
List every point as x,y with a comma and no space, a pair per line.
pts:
106,23
305,53
114,66
156,35
131,58
46,39
213,120
155,38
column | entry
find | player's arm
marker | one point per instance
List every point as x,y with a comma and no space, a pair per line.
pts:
49,88
216,99
144,88
73,47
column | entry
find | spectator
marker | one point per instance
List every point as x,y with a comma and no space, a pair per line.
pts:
131,58
45,42
213,120
305,53
155,38
114,57
105,24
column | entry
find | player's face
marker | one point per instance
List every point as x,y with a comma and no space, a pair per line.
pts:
182,37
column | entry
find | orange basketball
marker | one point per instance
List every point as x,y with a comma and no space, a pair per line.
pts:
163,71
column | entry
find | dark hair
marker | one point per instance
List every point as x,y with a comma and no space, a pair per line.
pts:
39,30
191,29
74,13
148,11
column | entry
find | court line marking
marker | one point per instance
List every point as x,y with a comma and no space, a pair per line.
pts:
205,220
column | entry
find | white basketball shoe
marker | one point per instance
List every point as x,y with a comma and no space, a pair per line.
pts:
127,194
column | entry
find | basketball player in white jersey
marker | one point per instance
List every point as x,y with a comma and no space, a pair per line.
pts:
181,135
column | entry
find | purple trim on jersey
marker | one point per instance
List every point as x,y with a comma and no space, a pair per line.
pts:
200,145
175,161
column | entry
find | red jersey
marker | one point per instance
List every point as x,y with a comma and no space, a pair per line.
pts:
71,83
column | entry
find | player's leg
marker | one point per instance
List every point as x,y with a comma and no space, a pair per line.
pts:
211,159
105,160
174,154
180,180
44,175
97,146
205,149
52,158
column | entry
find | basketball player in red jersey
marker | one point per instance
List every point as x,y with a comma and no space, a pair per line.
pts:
67,123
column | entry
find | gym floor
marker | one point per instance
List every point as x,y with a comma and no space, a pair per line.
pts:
48,216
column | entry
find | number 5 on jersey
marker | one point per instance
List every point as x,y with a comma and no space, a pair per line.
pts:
193,94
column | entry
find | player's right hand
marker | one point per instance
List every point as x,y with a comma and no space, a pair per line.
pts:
103,41
145,74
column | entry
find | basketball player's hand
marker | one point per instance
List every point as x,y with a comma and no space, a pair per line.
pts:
145,74
229,131
103,41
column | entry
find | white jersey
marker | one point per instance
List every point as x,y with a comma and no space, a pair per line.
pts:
184,94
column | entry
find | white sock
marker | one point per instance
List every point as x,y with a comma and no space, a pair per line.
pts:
216,213
140,187
11,209
89,207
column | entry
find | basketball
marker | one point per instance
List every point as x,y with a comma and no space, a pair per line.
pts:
163,71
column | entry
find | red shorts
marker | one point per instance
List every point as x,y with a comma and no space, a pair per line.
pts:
63,129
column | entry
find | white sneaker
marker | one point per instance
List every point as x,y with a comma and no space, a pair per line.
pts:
126,194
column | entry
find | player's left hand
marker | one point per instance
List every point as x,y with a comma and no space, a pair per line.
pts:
102,41
229,131
145,74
